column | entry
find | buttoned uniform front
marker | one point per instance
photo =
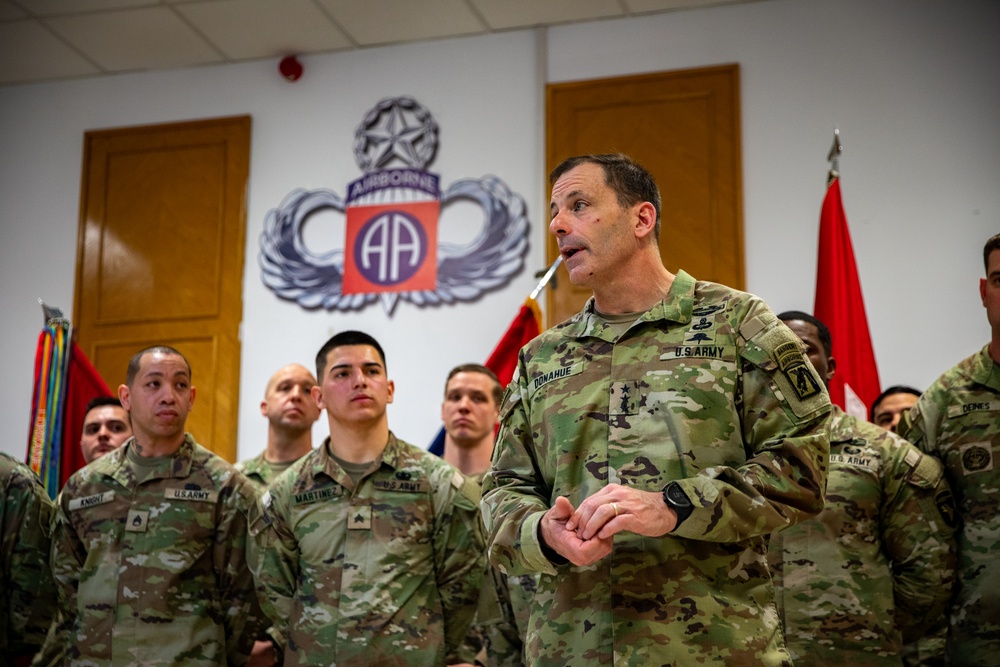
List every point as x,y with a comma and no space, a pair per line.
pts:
877,565
26,588
958,420
154,572
708,389
383,573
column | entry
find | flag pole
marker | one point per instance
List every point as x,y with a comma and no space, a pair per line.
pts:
834,157
546,278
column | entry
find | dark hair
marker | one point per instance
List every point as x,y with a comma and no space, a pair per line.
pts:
477,368
630,181
101,401
136,360
821,329
992,244
340,340
894,389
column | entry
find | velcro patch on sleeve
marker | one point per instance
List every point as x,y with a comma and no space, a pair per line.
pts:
91,501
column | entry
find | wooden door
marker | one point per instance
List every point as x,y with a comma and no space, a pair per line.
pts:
684,127
160,257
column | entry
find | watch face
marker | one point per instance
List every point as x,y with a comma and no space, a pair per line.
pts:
675,496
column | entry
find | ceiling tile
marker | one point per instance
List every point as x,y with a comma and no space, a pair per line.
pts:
29,52
58,7
9,12
244,29
645,6
382,21
135,39
501,14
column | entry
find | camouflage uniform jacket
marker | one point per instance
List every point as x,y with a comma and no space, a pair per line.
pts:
707,389
385,573
958,420
878,563
26,589
156,573
496,638
257,471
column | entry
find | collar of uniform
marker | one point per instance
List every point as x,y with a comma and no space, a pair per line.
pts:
180,465
326,465
985,371
676,306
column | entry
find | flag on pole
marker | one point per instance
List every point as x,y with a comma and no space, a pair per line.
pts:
65,381
83,384
525,326
840,305
503,360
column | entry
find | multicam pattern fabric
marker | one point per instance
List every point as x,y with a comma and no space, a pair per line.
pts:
877,565
259,471
958,420
155,573
496,638
26,588
385,573
707,388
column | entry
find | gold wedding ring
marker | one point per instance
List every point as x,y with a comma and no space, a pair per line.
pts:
614,506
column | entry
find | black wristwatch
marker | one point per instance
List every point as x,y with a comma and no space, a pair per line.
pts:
677,500
279,653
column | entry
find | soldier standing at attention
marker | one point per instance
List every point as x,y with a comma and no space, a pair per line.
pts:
291,411
105,427
368,551
649,445
875,569
958,420
26,592
149,540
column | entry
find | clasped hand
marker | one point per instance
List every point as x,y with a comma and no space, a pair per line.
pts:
585,535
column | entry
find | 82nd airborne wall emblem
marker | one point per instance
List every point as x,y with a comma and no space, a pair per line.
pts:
391,249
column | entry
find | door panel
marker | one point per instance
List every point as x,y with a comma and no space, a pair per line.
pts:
161,246
684,128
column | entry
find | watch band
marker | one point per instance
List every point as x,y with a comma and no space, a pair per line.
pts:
677,500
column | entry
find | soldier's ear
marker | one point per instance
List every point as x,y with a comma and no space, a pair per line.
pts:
831,368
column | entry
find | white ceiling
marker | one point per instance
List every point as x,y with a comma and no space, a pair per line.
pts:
43,40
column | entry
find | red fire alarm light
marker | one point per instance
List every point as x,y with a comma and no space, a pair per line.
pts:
290,68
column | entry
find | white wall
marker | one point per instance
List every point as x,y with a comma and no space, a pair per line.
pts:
912,85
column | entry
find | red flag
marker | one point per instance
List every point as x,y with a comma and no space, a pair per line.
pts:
525,326
83,383
65,381
840,305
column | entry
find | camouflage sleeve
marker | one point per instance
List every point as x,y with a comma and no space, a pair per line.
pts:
67,559
513,502
28,588
918,520
783,407
459,557
243,621
274,559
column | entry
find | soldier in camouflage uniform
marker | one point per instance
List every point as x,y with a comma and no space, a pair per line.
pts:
26,590
291,412
368,552
470,413
649,446
876,567
958,420
149,541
